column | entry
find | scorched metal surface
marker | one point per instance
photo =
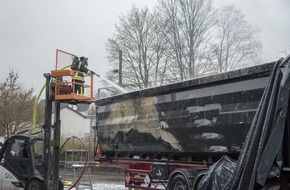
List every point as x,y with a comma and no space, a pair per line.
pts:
194,119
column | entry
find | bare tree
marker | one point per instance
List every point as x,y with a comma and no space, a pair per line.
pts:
179,40
236,41
16,105
188,24
285,51
142,43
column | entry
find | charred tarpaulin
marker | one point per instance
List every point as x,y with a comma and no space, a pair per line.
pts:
264,159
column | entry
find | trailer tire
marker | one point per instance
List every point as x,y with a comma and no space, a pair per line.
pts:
179,182
198,179
34,184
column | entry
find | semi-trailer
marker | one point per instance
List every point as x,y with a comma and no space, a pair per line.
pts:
167,137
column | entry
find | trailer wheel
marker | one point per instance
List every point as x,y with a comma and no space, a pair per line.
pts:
34,184
178,183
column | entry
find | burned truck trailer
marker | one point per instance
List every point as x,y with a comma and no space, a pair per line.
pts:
194,120
166,137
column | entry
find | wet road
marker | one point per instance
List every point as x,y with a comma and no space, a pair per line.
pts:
102,178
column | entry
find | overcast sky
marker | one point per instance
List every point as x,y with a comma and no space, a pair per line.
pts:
32,30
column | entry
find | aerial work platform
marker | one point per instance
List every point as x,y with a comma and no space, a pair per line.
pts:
63,84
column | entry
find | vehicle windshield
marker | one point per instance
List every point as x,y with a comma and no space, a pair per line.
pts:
37,148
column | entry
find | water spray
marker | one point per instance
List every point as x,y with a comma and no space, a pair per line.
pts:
119,88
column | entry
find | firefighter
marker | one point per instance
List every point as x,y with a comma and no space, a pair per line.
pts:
80,65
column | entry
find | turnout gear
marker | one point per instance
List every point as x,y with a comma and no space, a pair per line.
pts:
80,66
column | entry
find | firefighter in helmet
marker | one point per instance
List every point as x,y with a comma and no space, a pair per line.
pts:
80,65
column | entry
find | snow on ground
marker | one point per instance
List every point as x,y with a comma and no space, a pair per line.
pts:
109,187
104,186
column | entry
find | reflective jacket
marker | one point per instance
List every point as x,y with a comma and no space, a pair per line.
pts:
81,68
